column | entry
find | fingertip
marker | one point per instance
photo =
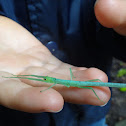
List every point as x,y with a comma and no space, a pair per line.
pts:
105,95
33,101
108,12
102,98
95,73
55,101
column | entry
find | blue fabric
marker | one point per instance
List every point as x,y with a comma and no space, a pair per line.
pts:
72,115
71,32
99,123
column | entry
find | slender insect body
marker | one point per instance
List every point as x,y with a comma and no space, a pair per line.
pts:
69,83
64,82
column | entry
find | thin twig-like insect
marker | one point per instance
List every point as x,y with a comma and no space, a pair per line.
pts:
70,83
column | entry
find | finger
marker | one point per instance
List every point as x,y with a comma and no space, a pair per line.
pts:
17,95
76,95
89,74
86,96
111,13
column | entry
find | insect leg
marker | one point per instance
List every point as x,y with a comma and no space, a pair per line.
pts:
48,87
93,92
71,74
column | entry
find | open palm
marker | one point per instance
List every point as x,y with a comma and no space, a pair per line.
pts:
22,53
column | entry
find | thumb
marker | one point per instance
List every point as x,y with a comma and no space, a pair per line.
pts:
112,14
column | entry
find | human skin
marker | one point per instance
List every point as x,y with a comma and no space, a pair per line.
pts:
22,53
112,14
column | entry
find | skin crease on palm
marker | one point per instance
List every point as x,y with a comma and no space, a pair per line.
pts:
22,53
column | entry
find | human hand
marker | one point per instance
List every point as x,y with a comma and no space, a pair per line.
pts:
112,14
22,53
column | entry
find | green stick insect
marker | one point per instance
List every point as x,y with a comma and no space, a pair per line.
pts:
70,83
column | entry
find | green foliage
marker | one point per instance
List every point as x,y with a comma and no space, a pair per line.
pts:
122,89
121,72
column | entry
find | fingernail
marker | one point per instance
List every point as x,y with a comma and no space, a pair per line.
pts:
54,111
103,105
